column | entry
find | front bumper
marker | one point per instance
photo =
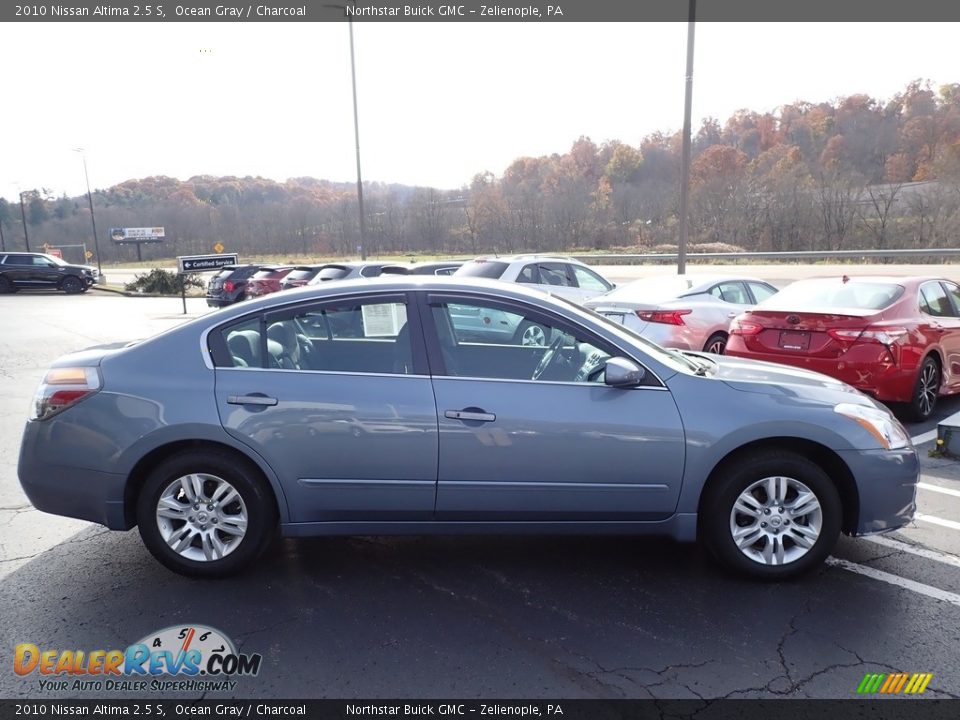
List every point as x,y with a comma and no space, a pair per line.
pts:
886,482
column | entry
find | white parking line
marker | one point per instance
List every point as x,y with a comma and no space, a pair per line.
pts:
938,489
913,550
925,437
953,525
920,588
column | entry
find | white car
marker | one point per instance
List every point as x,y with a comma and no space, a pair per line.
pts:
559,275
689,312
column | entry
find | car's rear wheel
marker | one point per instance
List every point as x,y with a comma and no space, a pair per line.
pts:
205,514
925,390
716,344
71,285
771,515
5,285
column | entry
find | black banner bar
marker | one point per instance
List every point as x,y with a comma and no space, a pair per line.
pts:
915,708
854,11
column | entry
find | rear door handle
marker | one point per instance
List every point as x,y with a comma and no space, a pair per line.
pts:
470,415
251,400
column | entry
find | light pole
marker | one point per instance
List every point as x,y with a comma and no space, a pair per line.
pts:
23,216
685,160
93,220
356,135
356,132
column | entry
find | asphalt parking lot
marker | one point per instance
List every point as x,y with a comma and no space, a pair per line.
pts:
470,617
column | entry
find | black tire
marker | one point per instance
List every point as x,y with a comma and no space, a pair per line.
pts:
71,285
532,334
718,341
926,390
5,285
216,465
734,479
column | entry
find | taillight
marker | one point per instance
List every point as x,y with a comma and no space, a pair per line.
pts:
63,387
745,327
884,336
228,286
667,317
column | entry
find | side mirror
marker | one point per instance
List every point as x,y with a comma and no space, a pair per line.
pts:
621,372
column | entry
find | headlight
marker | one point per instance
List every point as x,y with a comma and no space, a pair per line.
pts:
883,426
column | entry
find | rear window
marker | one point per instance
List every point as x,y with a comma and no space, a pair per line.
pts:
301,274
833,295
266,272
333,272
482,268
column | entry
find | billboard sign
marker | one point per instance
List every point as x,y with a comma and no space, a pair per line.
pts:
138,234
205,263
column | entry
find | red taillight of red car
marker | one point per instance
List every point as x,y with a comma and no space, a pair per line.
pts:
667,317
745,327
228,286
884,336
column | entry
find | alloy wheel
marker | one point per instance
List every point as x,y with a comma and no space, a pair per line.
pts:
776,520
201,517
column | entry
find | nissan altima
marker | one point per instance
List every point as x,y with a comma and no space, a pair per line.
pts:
358,407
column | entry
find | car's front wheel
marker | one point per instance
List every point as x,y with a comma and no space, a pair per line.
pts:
205,514
71,285
771,515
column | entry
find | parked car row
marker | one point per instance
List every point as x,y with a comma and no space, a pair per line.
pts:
235,283
896,339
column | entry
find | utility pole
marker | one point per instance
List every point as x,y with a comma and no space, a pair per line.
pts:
23,215
685,173
96,242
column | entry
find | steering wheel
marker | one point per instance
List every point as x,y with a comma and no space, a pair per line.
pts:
550,356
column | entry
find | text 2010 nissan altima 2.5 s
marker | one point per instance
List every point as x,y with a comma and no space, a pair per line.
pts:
355,408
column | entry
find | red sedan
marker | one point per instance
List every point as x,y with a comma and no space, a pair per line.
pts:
895,338
267,280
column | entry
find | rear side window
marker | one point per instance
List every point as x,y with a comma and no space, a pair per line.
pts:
482,268
554,274
244,344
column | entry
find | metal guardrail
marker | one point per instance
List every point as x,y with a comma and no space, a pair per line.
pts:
782,256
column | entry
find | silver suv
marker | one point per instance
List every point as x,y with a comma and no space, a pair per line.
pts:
557,274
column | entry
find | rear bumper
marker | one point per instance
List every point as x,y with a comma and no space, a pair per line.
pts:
886,482
884,381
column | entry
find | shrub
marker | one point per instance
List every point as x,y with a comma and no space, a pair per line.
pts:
163,282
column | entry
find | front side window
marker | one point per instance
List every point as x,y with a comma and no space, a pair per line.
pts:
589,280
761,292
934,301
554,274
485,340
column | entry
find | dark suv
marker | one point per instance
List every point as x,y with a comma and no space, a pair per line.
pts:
22,270
229,285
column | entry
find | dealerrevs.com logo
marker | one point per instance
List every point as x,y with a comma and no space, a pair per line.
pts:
200,657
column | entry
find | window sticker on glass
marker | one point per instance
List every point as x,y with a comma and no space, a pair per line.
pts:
383,320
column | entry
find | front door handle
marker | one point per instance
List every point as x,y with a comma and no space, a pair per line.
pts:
251,400
470,415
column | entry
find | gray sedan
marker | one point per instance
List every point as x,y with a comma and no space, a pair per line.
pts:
358,407
690,312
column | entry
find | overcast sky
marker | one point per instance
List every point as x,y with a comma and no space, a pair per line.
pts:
438,102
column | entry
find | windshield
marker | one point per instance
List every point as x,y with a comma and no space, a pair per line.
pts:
55,260
833,294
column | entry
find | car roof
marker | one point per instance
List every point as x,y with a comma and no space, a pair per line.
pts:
525,257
